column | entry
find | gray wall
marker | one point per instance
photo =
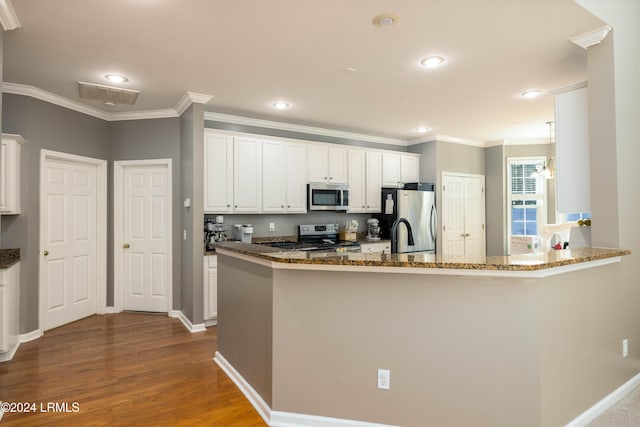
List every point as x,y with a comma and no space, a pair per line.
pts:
44,126
149,139
495,198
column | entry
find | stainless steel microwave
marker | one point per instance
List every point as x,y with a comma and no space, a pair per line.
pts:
323,196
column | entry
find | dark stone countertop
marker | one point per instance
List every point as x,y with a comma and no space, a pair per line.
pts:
8,257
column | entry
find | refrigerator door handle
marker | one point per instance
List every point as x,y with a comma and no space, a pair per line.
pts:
434,222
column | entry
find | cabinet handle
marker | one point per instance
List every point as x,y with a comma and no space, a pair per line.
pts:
235,206
46,253
325,177
125,246
282,206
228,206
288,206
330,177
368,206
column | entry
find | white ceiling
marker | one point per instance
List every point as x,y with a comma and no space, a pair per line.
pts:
249,53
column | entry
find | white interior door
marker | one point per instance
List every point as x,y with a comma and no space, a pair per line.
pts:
474,216
453,217
144,212
69,219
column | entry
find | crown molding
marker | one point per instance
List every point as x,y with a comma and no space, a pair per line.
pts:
191,98
569,88
592,37
43,95
227,118
141,115
8,18
447,138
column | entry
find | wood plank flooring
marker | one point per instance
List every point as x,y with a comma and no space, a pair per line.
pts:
124,369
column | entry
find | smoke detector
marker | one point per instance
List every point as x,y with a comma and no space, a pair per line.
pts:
385,20
107,93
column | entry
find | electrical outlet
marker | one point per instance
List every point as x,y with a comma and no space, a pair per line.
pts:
184,234
625,347
384,379
272,226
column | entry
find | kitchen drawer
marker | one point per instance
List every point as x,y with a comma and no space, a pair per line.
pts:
212,261
367,248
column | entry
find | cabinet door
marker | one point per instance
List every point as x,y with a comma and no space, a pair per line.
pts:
391,170
210,287
338,165
10,174
409,169
218,173
357,181
247,175
318,163
373,177
273,176
296,177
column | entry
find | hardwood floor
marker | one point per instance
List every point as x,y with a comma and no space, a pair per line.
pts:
123,369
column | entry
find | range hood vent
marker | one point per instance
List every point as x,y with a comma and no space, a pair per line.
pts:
107,93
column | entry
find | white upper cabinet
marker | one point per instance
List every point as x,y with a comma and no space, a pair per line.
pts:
247,175
573,171
10,174
284,177
327,163
218,173
398,169
365,179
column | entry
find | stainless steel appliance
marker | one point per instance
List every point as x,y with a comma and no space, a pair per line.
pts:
317,237
322,196
418,208
214,232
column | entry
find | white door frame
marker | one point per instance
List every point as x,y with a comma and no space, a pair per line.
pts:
101,226
118,228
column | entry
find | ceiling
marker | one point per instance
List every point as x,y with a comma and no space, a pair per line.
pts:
248,54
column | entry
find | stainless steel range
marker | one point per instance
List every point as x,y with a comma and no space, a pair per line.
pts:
318,237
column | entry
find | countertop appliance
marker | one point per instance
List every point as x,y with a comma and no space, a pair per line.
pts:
322,196
214,232
317,237
243,232
373,229
418,207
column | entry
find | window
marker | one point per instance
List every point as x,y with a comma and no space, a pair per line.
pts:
527,196
575,216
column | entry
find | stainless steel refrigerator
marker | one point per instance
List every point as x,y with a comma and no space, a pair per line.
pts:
418,206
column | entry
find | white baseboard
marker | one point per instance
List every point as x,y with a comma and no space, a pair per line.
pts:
110,310
187,323
30,336
8,355
278,418
210,322
598,409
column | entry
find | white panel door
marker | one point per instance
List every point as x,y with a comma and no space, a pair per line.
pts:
474,218
318,163
146,232
69,239
338,165
453,218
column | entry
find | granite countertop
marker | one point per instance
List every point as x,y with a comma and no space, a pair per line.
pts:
525,262
8,257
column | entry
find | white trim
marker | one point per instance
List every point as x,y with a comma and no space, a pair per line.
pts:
447,138
8,17
226,118
608,401
571,88
101,226
590,38
8,355
199,327
111,310
142,115
118,171
521,274
43,95
278,418
30,336
190,98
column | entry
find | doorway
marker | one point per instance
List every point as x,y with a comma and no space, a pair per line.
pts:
142,235
463,218
73,203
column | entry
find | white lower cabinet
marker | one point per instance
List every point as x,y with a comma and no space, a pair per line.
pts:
376,247
210,289
9,311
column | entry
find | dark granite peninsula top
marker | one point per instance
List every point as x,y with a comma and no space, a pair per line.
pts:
435,264
8,257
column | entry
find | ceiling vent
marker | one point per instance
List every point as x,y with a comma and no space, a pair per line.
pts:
107,93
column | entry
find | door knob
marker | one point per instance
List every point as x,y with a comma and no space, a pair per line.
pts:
46,253
125,246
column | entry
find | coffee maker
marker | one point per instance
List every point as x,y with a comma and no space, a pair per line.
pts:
214,231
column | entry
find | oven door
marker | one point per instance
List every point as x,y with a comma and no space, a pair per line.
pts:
328,197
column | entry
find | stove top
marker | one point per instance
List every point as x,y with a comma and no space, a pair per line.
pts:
317,237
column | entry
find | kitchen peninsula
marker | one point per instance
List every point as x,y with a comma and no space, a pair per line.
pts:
490,343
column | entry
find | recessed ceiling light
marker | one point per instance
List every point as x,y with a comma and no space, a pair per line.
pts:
116,78
281,105
109,103
385,20
529,94
422,129
432,61
351,69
